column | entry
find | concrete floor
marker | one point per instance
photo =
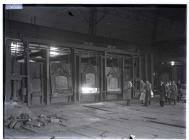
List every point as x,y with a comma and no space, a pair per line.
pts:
109,120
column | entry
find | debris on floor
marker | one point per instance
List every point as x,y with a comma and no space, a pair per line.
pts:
54,120
103,134
132,137
34,123
16,109
77,121
15,122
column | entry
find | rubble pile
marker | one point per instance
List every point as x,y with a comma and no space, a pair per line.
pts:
24,120
17,122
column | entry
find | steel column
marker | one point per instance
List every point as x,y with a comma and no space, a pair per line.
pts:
133,75
73,69
146,67
27,61
101,78
42,82
104,76
122,75
152,69
79,80
140,68
47,79
7,71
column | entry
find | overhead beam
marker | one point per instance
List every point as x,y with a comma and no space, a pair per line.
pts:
78,46
50,36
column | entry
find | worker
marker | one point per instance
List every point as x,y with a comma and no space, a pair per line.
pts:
168,92
148,93
142,92
179,95
162,94
127,93
173,92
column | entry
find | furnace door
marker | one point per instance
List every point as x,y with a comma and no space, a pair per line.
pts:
89,77
113,77
60,75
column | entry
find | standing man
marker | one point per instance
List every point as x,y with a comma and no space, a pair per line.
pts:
142,91
179,95
148,93
127,92
168,92
162,93
173,92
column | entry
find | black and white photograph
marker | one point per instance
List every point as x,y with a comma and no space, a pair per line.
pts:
94,71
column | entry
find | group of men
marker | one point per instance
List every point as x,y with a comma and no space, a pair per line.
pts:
168,92
145,92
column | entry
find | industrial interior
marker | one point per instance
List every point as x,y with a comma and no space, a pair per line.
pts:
94,71
85,53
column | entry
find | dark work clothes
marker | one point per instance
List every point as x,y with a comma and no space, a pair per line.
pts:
148,94
162,92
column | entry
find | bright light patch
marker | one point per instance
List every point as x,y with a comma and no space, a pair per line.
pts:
53,53
14,45
22,61
32,61
38,57
88,90
53,48
172,63
15,48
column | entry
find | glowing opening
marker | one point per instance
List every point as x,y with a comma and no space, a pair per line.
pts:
38,57
88,90
53,53
172,63
15,47
22,61
52,48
